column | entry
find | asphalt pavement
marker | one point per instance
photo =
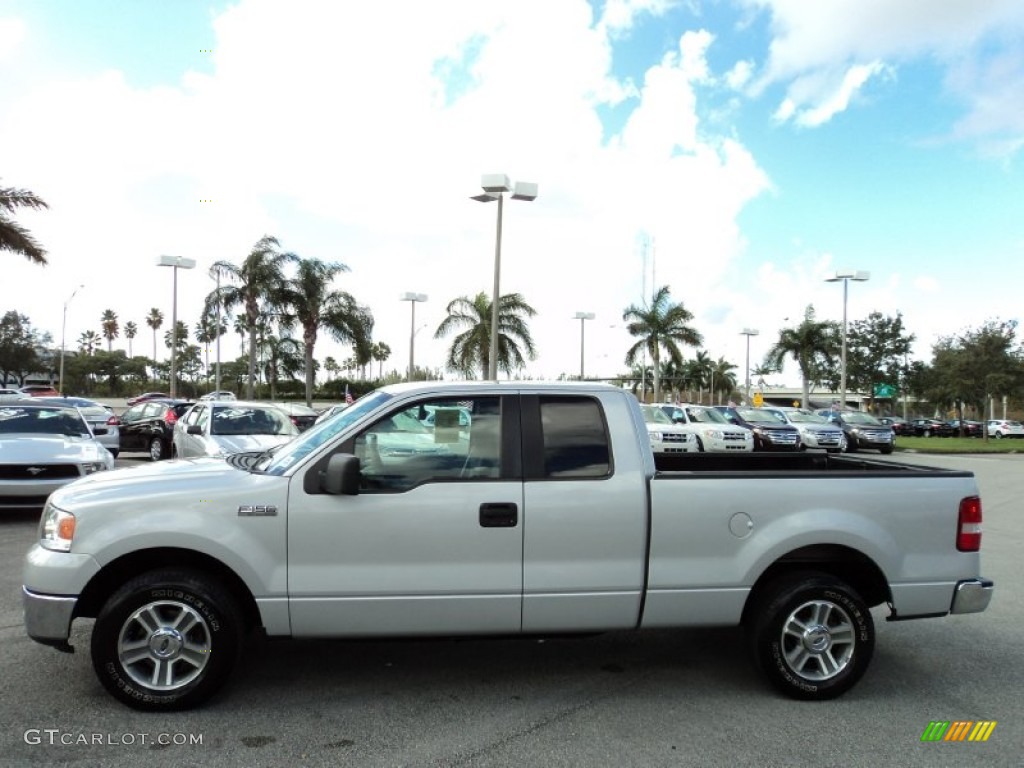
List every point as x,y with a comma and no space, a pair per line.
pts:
661,698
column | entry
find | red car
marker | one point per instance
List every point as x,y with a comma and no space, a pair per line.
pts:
39,390
146,396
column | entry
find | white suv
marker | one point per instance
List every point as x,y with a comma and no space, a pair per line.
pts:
667,437
713,432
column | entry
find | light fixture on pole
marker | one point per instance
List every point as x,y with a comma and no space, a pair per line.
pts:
215,274
176,263
582,317
845,277
63,326
495,185
412,298
748,332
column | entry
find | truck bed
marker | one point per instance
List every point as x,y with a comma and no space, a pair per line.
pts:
789,464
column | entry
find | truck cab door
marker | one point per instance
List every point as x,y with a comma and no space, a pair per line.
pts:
431,544
586,519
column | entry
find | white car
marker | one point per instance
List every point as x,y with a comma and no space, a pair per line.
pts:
667,437
44,447
714,433
223,428
105,424
1000,428
7,395
815,431
219,395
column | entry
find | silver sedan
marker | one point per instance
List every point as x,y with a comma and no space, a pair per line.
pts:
222,428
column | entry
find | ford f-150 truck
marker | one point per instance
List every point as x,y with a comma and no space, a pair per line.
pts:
528,509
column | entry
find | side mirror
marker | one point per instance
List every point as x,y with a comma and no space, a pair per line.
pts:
194,429
100,431
341,478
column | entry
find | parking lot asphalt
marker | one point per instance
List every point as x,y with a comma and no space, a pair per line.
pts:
660,698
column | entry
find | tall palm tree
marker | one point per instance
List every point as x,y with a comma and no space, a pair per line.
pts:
471,349
182,338
309,300
255,285
239,325
282,357
723,378
813,344
131,330
111,330
331,366
380,352
13,236
154,320
660,325
88,342
207,332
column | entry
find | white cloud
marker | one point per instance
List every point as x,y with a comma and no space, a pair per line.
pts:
12,32
828,99
357,139
817,47
620,15
740,74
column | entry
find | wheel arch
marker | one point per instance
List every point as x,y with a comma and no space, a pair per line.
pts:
848,564
117,572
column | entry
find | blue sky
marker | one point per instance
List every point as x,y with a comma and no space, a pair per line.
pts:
756,145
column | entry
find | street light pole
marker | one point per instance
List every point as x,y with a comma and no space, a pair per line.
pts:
175,263
63,326
582,317
495,185
748,332
845,277
412,298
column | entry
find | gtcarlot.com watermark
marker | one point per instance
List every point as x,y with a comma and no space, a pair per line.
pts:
58,738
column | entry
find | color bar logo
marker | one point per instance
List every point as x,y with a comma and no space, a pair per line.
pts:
958,730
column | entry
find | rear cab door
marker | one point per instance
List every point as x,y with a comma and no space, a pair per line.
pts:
585,511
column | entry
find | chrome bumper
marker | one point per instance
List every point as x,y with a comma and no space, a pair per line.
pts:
972,596
48,618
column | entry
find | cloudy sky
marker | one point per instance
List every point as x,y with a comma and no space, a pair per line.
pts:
738,151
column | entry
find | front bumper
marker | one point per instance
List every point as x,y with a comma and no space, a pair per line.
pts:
972,596
48,618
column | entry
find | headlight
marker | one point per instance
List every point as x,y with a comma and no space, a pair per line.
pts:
57,529
656,436
93,466
714,434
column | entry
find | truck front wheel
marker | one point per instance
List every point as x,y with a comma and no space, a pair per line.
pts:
166,640
812,636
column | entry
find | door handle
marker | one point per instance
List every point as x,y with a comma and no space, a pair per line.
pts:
499,515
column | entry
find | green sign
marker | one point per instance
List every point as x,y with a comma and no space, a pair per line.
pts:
885,391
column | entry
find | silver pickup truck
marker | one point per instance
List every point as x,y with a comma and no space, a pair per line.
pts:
518,509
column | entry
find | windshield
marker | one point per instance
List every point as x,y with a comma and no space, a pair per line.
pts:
760,416
42,421
321,433
654,415
805,417
706,416
859,417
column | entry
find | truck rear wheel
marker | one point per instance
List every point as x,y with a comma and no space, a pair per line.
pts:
166,640
812,636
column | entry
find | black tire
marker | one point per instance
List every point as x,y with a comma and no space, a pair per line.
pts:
927,433
885,451
113,452
700,446
138,633
811,635
999,435
157,449
851,445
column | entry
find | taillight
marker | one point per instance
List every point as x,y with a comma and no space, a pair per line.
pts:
113,421
968,536
171,417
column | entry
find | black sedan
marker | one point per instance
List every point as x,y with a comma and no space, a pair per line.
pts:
931,428
149,426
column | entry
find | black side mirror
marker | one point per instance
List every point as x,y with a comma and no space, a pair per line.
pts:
341,478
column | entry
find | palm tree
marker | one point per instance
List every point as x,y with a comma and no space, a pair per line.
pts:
723,378
813,345
240,327
110,327
181,342
660,325
88,342
154,320
130,331
281,357
14,237
207,332
471,350
380,352
309,300
331,366
255,285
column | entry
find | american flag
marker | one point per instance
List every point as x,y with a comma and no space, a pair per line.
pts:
348,396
